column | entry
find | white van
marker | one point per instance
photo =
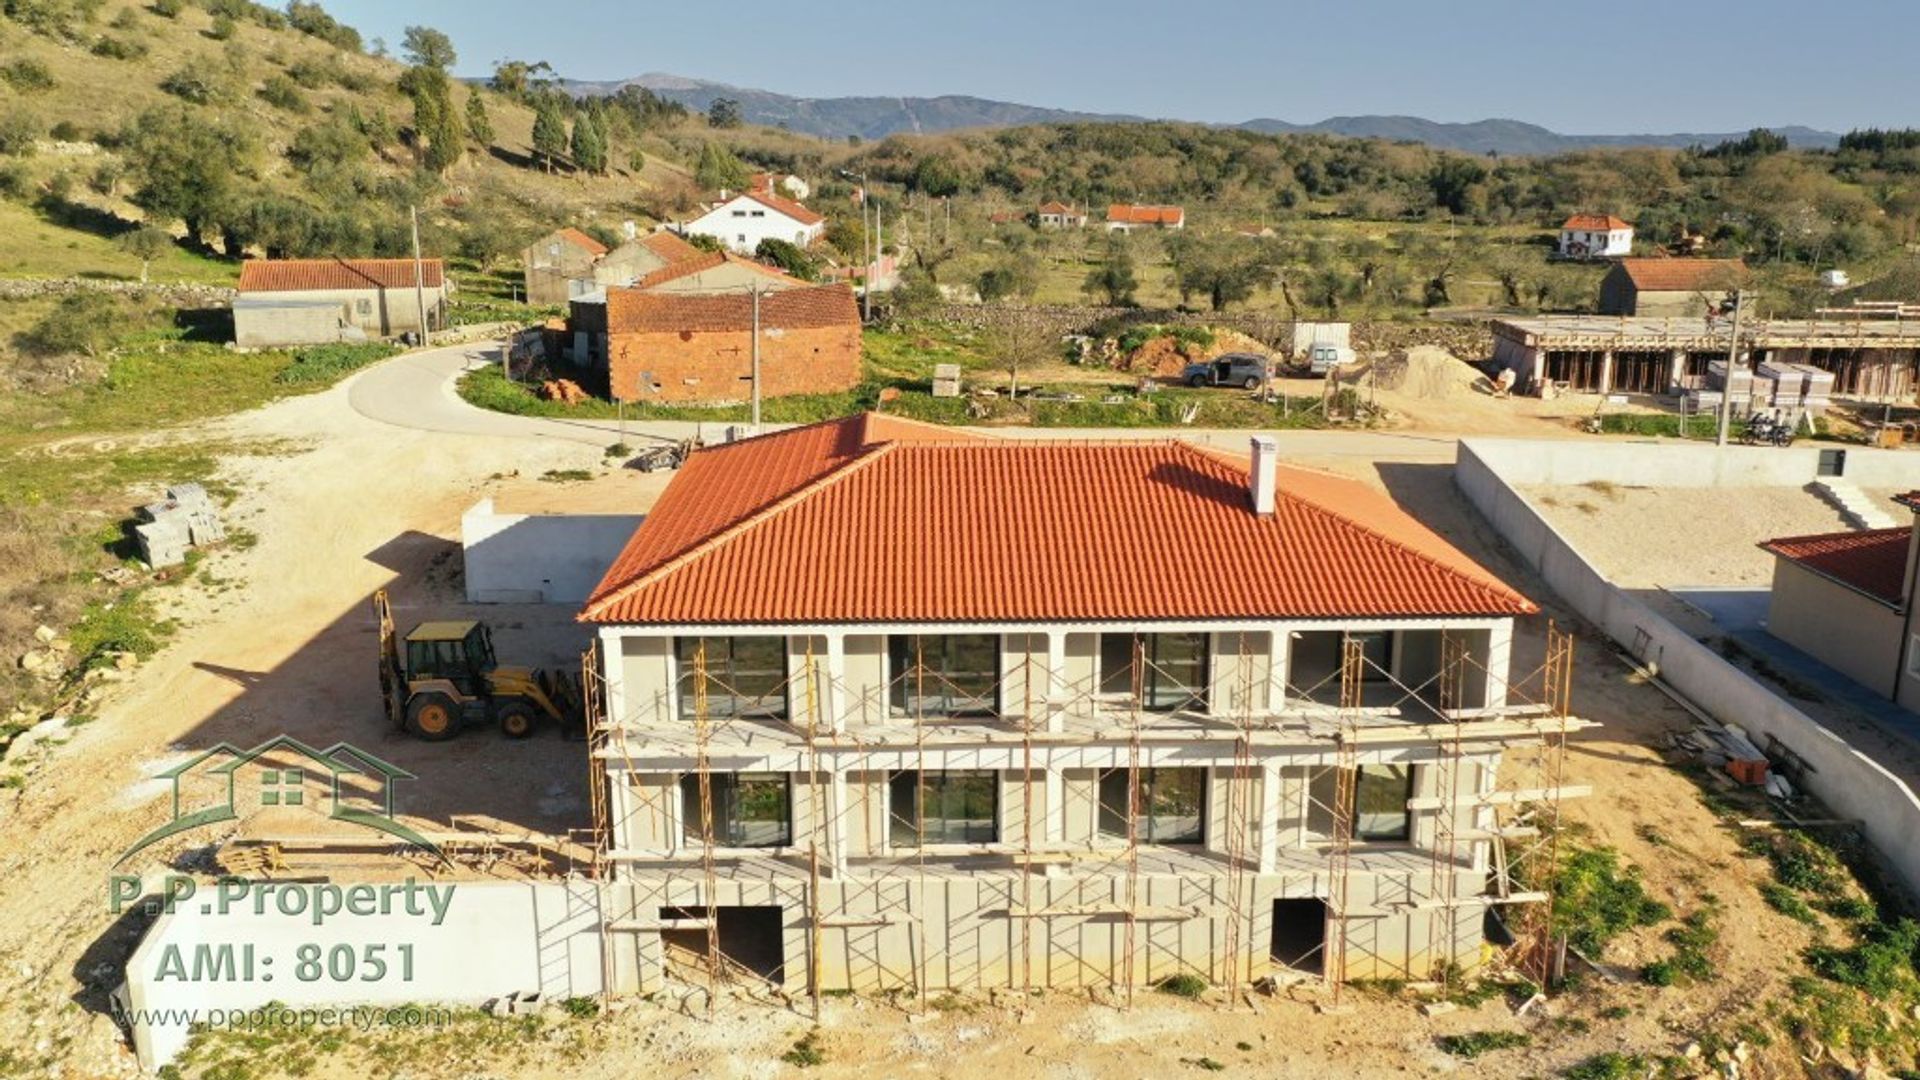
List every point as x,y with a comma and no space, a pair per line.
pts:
1324,358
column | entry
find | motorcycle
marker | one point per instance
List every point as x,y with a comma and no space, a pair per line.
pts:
1766,429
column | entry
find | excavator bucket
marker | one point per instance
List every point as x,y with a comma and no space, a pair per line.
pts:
393,673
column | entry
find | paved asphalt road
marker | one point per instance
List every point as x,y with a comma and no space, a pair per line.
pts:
416,390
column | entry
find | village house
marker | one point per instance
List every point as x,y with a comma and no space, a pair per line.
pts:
1847,599
681,346
716,272
742,221
559,266
784,184
887,704
1125,217
1668,287
1595,236
1058,215
284,302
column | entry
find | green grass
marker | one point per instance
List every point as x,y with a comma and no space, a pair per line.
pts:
1611,1065
325,364
1880,961
1596,899
1185,984
806,1052
1474,1043
32,246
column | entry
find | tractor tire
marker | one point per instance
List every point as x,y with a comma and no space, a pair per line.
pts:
516,718
433,716
1252,383
1197,381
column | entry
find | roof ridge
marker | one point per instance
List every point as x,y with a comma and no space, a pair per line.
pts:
854,463
1364,529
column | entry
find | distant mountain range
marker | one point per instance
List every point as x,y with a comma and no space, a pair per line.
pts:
878,117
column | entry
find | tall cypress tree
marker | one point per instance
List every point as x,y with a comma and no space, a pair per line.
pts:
549,132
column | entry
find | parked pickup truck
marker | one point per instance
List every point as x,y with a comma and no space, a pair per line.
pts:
1229,369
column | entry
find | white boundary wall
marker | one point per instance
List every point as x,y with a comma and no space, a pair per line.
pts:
496,939
539,558
1488,471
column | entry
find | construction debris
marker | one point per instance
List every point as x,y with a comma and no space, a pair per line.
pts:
565,391
185,518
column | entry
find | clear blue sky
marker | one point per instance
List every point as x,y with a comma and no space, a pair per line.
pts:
1578,67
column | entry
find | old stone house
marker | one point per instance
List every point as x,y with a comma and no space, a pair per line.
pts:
284,302
1667,287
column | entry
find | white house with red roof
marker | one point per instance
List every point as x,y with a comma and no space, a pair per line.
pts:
886,704
742,221
1595,236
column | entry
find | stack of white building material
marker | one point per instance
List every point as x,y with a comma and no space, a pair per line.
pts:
185,518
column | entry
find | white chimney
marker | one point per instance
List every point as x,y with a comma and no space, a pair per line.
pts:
1260,479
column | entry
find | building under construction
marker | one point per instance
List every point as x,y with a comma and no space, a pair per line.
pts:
878,707
1872,351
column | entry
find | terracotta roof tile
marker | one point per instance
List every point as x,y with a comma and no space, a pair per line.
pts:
668,246
1145,215
871,520
1055,207
1682,275
576,237
1872,561
1596,223
706,260
300,275
786,206
634,310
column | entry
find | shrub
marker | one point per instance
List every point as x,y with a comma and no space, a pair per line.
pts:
223,27
1185,984
26,75
168,9
1611,1065
82,322
581,1008
281,93
1474,1043
1596,900
126,20
114,48
67,131
191,84
806,1051
18,132
1878,963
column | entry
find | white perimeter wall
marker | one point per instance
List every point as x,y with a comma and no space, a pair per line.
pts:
539,558
1487,471
497,938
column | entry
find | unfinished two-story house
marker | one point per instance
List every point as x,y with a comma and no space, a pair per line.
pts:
886,706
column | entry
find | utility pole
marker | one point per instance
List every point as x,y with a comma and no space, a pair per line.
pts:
1733,357
419,275
866,245
756,359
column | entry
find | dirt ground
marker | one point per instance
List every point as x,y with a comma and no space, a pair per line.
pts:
281,639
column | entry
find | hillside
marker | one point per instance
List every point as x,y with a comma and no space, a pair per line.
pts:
875,117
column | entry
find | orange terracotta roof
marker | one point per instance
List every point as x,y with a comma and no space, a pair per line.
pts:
579,239
868,519
1145,215
1596,223
302,275
634,310
1682,275
1871,561
668,246
1055,208
708,260
786,206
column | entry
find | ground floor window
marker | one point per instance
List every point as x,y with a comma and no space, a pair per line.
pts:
1380,795
943,807
750,809
1173,805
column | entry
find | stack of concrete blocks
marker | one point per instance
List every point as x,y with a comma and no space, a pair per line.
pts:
185,518
946,380
1799,386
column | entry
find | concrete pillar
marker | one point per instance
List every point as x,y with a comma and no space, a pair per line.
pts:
1676,368
1280,653
1269,818
833,695
1499,658
1606,372
834,806
676,833
1056,680
1054,799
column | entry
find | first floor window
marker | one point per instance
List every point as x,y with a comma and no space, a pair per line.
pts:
750,809
943,807
1173,669
746,676
1380,795
1173,805
1376,650
944,674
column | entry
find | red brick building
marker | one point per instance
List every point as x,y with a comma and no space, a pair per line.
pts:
690,348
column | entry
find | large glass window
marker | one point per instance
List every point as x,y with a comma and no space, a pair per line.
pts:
1173,805
1380,795
944,674
746,676
1174,675
750,809
960,807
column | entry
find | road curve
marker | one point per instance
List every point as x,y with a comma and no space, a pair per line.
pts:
417,390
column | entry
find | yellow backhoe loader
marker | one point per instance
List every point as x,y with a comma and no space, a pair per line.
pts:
443,676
